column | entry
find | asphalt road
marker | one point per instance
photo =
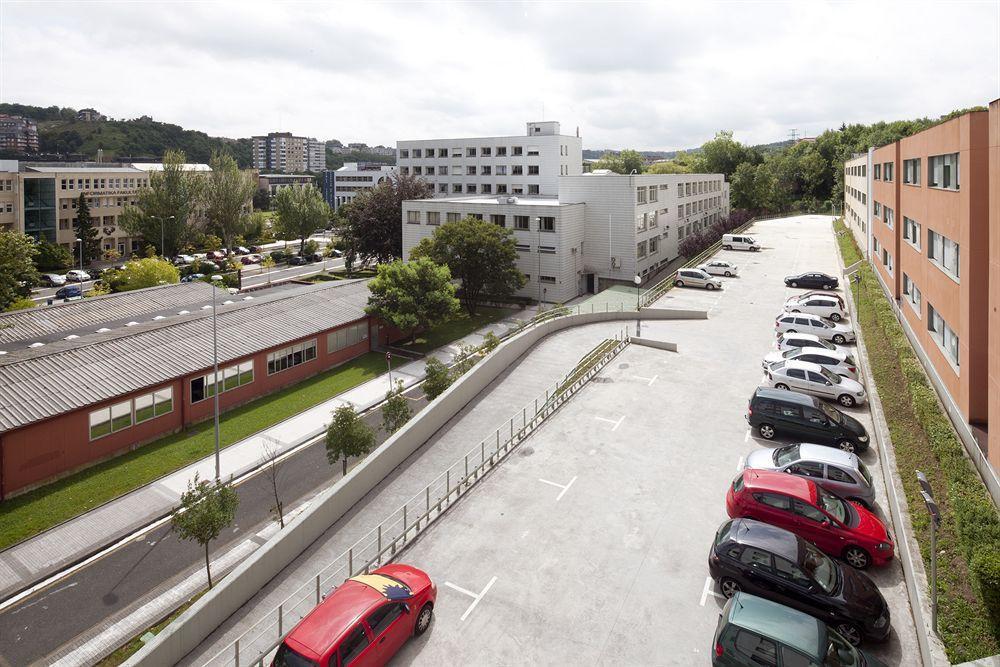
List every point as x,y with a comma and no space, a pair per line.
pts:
52,618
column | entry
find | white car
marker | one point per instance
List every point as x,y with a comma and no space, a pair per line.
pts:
803,322
787,341
696,278
838,361
181,260
77,275
823,306
717,267
814,379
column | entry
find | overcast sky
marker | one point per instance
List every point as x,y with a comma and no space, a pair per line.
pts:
652,76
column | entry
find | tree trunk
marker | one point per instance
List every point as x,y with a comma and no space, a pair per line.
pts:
302,246
208,568
345,466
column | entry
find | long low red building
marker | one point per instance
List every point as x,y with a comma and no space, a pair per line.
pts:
86,381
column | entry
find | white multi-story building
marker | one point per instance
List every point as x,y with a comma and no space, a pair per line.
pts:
528,165
342,185
857,198
283,152
601,229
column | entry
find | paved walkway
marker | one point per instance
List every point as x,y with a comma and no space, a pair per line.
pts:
31,561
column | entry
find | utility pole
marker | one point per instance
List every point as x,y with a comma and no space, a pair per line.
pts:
215,392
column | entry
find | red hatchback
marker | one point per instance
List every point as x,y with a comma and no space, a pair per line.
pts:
364,622
837,526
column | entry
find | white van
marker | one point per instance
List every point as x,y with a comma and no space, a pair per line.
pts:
739,242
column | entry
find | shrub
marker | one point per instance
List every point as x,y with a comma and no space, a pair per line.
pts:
278,255
986,573
21,304
437,378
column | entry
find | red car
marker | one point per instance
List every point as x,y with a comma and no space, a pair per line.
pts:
363,622
837,526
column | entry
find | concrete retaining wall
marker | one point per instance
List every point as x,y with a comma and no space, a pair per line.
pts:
658,344
212,609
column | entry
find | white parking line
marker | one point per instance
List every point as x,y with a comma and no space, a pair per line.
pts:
476,598
564,488
746,436
649,380
739,466
709,585
612,421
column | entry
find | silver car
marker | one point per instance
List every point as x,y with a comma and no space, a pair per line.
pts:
718,267
814,379
836,332
696,278
835,470
787,341
838,361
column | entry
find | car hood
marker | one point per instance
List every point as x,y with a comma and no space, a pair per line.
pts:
853,425
860,592
850,385
772,357
762,459
870,525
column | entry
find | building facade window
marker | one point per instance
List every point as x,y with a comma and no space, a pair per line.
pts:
942,171
944,253
291,356
499,220
890,217
911,293
346,337
547,279
640,195
521,222
454,217
124,414
230,377
413,217
911,171
532,189
943,334
888,171
654,245
640,250
546,224
433,217
911,232
532,170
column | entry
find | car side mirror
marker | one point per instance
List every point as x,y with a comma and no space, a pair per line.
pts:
406,608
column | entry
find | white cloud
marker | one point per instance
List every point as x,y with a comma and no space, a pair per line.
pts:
650,75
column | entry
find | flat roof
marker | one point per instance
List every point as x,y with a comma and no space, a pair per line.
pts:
158,166
47,381
56,170
518,201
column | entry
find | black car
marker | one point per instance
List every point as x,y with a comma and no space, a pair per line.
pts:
776,564
812,281
781,412
297,260
69,292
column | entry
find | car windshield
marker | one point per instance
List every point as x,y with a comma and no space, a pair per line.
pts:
849,360
819,566
832,377
832,413
791,352
777,366
833,505
785,455
840,653
828,345
864,471
286,657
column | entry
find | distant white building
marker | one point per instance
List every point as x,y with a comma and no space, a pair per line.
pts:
526,165
340,186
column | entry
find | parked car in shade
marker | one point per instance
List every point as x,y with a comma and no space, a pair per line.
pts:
69,292
252,258
814,379
835,470
776,564
364,621
837,361
77,275
719,267
297,260
696,278
787,341
773,412
752,632
837,526
53,279
816,305
836,332
813,280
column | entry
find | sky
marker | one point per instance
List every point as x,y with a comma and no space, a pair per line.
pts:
651,76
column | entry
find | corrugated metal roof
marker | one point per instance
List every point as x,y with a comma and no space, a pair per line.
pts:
28,325
68,375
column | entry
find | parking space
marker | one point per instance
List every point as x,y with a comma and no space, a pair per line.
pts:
590,543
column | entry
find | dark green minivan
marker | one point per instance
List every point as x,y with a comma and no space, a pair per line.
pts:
753,631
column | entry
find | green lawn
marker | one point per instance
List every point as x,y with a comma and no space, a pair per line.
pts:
460,326
35,511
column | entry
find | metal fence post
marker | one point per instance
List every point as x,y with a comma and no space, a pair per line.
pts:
379,541
524,417
536,406
447,484
466,466
428,495
318,595
281,623
512,428
237,656
350,562
482,454
404,523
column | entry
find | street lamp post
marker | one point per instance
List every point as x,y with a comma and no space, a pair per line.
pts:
215,366
163,251
538,272
638,307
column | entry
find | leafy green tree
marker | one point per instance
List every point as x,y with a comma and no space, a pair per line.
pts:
84,228
624,162
140,273
267,263
256,226
723,154
347,435
17,267
412,295
262,199
227,196
437,378
171,200
370,224
669,167
206,510
300,212
396,409
467,357
480,254
52,256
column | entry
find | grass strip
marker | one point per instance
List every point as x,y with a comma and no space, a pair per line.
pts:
458,327
126,651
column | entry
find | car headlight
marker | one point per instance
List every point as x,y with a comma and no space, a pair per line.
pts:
862,438
884,546
881,621
861,393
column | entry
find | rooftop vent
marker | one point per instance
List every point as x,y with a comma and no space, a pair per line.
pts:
208,307
131,324
36,345
227,302
103,330
71,337
183,312
158,317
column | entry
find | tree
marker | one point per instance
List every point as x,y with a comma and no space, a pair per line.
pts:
301,211
227,196
347,435
723,154
256,226
437,378
480,254
624,162
17,267
396,409
171,200
206,509
412,295
272,468
262,199
52,256
85,230
370,224
267,263
140,273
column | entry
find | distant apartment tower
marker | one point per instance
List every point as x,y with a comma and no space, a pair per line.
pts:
527,165
90,115
18,134
283,152
340,186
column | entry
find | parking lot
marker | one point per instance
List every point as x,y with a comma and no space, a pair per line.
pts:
590,543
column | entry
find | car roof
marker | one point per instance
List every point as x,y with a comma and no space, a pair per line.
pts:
799,334
786,396
820,454
778,622
772,539
779,482
802,365
839,355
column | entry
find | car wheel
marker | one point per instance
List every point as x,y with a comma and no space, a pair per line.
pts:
424,619
791,331
839,340
729,587
835,317
729,274
679,283
727,247
781,385
794,283
710,287
846,400
796,311
850,632
857,557
846,445
827,286
766,431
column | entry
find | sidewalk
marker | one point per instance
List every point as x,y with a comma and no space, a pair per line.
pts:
29,562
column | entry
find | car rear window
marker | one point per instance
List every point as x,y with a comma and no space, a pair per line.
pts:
723,532
738,483
286,657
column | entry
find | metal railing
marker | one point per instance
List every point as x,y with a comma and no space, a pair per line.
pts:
383,543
